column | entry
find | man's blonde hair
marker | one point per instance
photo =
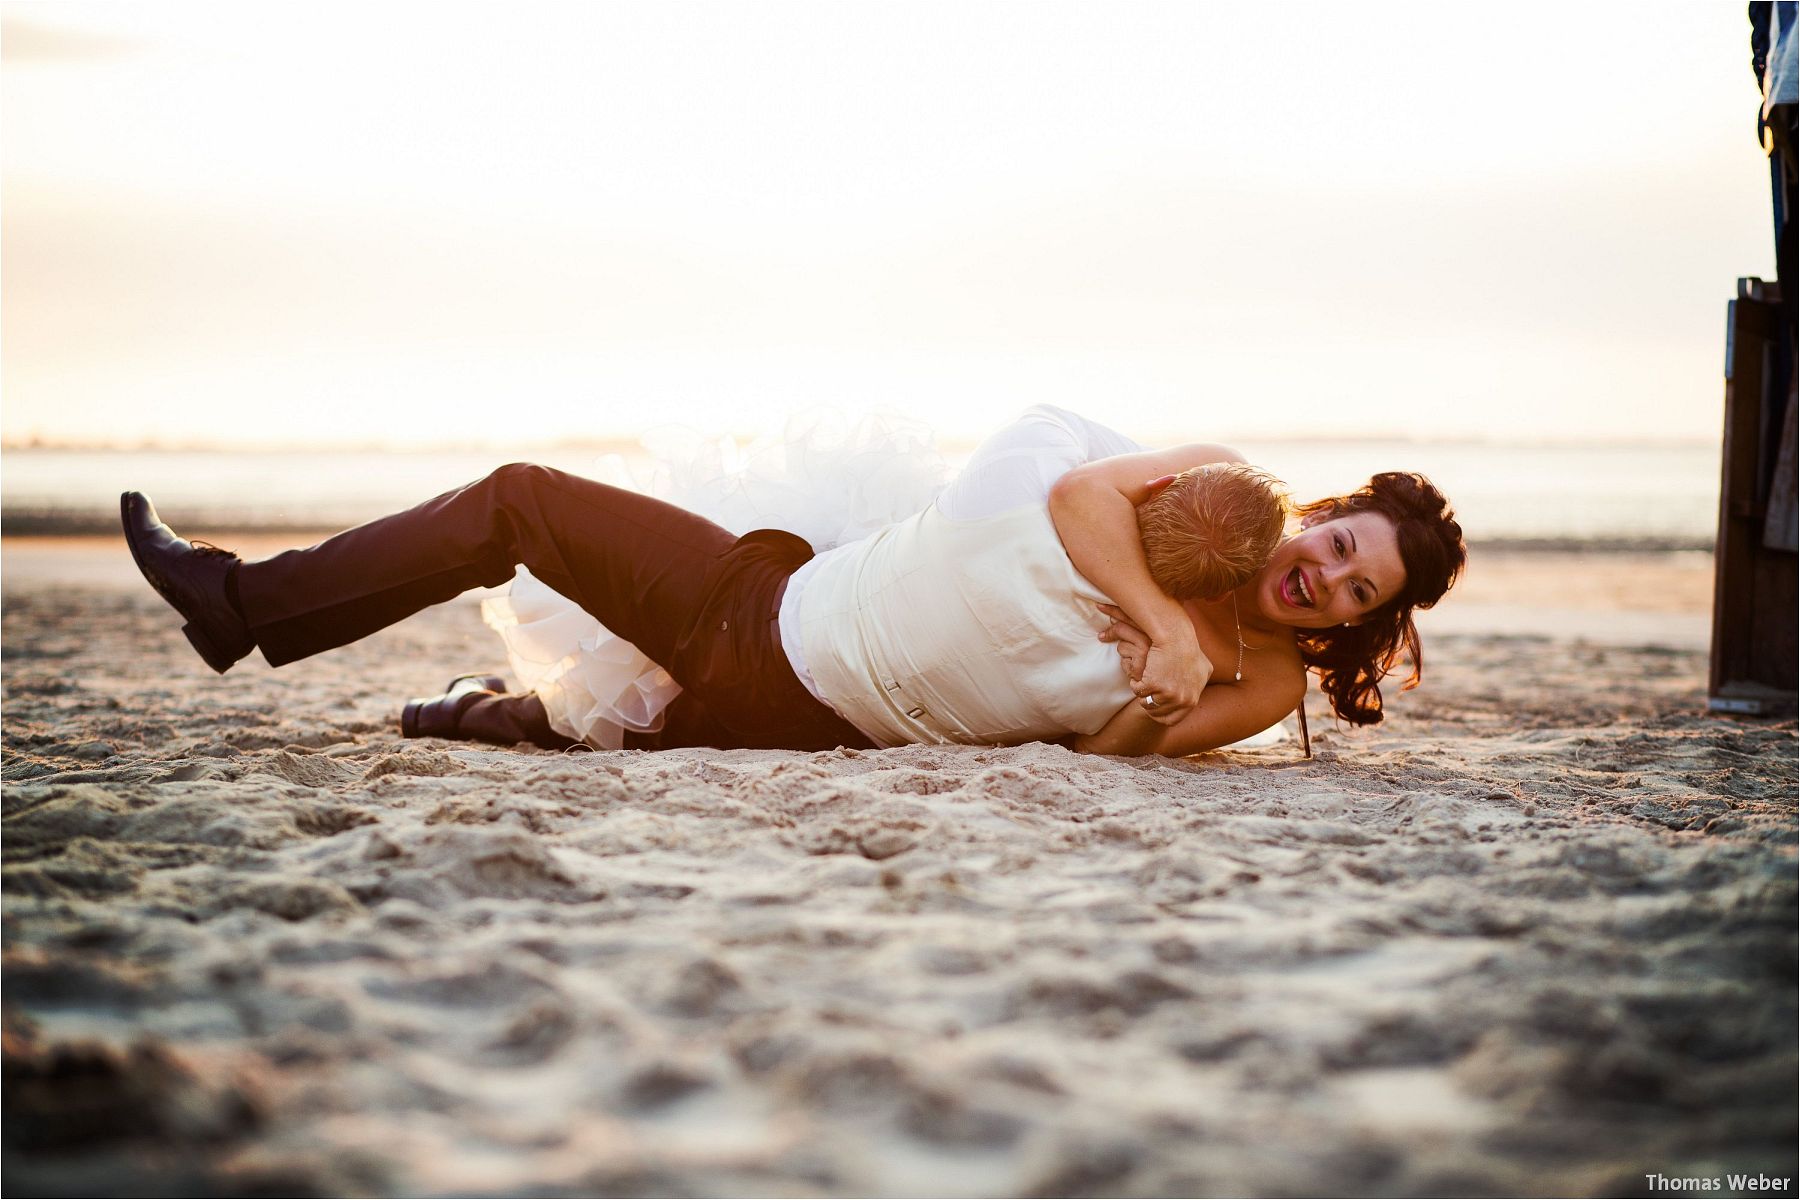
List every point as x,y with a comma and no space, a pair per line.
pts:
1211,529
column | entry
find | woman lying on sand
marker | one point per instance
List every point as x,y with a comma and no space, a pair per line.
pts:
1002,613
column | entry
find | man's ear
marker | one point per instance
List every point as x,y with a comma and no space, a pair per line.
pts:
1158,484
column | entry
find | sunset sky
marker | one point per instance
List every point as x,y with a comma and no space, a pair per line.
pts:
406,223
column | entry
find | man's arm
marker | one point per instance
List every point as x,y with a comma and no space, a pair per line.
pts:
1094,507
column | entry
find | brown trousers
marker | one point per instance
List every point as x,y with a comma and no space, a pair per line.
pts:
696,600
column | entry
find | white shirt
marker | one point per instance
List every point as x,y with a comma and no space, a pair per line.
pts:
1015,467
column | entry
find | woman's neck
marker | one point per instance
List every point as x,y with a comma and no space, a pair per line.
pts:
1248,615
1240,623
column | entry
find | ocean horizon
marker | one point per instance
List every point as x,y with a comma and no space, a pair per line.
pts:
1654,495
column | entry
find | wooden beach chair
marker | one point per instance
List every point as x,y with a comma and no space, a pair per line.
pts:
1755,571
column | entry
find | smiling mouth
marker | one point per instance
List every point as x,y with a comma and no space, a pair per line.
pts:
1295,591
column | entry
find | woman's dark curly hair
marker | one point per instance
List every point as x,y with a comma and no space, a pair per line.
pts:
1352,660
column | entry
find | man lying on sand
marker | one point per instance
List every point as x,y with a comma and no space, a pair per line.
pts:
1067,583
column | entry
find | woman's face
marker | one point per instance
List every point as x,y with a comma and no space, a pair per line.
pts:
1332,572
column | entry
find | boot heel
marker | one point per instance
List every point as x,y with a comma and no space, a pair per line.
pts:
217,661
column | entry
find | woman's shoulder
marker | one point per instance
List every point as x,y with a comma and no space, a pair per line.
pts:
1274,672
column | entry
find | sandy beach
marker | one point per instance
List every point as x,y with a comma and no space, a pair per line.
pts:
1533,935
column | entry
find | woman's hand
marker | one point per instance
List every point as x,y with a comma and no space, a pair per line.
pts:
1169,673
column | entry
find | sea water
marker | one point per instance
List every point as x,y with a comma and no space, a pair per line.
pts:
1595,493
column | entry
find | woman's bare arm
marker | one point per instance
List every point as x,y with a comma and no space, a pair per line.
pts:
1094,508
1226,712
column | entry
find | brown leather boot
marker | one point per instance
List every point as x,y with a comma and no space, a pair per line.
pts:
192,577
476,708
441,716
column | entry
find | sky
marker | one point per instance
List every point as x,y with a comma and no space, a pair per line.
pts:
407,224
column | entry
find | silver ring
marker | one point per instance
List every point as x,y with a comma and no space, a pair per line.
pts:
1149,701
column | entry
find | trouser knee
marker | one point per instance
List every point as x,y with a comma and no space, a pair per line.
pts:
521,477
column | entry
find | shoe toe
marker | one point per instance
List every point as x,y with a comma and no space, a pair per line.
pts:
436,716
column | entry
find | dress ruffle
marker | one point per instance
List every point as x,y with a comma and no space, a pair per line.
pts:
829,478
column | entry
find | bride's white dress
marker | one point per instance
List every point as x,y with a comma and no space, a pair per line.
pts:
829,479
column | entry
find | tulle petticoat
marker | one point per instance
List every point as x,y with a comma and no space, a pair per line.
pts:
830,479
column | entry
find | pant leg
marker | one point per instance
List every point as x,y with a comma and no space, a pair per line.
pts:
643,567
